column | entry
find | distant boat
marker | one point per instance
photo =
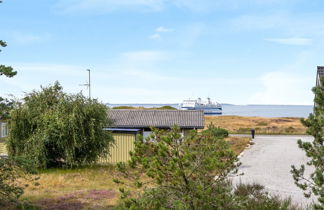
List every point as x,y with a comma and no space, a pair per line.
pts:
208,106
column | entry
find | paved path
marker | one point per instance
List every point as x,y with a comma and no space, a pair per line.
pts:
269,161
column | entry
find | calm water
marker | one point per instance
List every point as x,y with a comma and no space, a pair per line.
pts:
249,110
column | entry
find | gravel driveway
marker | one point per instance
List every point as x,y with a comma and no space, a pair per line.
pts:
268,162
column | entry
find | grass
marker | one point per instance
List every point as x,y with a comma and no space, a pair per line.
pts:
141,107
238,144
89,187
262,125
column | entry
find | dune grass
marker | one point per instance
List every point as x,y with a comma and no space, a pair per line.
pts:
262,125
141,107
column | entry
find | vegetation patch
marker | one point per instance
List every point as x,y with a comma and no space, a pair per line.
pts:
262,125
141,107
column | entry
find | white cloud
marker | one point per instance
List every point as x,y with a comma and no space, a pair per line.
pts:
159,30
143,57
72,6
291,41
280,22
27,38
162,29
155,36
191,33
283,88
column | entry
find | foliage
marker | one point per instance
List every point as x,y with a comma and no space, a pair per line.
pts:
216,131
6,70
188,172
167,108
6,105
124,107
253,196
314,150
141,107
12,171
53,128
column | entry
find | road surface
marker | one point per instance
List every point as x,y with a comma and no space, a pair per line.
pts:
268,162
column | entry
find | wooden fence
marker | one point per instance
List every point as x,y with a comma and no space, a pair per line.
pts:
3,149
124,143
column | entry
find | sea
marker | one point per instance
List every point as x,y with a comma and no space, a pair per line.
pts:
299,111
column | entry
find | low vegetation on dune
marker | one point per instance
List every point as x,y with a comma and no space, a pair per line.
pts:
262,125
141,107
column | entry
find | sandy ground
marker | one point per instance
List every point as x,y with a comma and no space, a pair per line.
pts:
268,162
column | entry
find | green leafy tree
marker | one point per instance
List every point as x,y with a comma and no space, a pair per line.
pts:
54,129
314,150
5,104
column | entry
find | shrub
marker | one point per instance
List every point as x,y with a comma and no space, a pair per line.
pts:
54,129
216,131
167,107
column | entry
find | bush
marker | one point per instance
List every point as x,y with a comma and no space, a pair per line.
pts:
54,129
167,108
216,131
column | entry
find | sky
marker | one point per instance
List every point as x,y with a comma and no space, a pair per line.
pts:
164,51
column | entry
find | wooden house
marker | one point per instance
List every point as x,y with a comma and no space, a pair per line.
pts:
3,135
128,123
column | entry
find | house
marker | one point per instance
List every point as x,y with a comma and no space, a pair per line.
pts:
128,123
3,135
320,73
3,130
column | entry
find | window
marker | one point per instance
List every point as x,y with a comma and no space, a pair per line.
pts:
4,130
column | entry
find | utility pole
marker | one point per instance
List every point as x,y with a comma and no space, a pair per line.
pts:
88,85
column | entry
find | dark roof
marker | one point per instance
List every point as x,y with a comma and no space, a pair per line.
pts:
129,118
320,70
320,73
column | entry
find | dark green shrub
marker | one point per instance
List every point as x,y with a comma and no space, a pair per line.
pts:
54,129
167,107
216,131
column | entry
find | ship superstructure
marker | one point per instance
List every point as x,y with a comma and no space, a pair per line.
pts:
208,106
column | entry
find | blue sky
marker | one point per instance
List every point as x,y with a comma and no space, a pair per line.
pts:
163,51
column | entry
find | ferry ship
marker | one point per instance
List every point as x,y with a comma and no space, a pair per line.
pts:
208,106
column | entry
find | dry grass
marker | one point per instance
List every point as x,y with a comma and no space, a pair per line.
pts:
262,125
238,144
87,188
